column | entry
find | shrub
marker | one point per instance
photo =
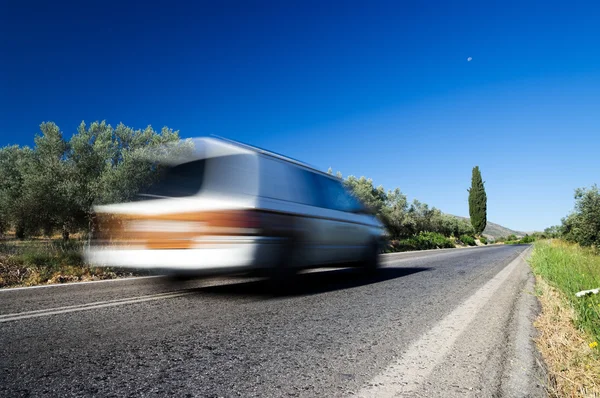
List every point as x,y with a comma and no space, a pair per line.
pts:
583,225
468,240
424,241
527,239
483,240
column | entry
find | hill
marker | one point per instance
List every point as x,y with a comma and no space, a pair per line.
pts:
493,230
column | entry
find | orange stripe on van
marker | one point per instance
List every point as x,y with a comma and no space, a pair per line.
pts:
170,231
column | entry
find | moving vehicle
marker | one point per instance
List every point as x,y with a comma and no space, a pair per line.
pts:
229,207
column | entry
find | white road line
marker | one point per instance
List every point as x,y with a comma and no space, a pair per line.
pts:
90,306
12,289
414,366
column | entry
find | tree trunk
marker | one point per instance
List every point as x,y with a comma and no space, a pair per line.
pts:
65,233
20,231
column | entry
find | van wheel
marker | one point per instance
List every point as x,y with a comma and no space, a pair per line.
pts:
371,262
283,272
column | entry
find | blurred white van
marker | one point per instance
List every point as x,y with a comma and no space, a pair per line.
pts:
230,207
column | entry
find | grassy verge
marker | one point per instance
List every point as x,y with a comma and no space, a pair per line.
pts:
48,261
569,326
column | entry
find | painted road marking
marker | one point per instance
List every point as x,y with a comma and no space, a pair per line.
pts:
133,278
91,306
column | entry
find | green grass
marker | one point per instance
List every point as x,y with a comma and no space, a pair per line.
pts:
571,269
51,261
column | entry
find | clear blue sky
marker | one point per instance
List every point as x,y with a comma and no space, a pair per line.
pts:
376,89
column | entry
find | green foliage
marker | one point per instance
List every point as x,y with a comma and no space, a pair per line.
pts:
513,240
554,231
477,202
423,241
13,209
527,239
483,240
53,186
583,225
401,219
363,188
468,240
571,269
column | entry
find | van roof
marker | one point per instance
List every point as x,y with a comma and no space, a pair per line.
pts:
221,145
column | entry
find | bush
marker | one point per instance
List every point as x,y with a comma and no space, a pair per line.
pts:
527,239
583,225
424,241
483,240
468,240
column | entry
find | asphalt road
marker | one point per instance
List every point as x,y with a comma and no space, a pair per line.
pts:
436,323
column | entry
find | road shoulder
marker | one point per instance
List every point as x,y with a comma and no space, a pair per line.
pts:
484,348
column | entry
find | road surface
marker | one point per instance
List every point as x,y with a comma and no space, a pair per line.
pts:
435,323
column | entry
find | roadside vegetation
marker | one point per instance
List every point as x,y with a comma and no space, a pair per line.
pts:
52,187
48,192
571,269
42,261
570,325
477,202
422,241
414,225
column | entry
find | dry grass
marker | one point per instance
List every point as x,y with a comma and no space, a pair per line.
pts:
574,367
37,262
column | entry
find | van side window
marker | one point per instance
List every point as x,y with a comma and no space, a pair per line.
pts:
179,181
336,197
307,188
286,182
231,174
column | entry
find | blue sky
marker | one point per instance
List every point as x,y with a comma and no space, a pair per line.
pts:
381,89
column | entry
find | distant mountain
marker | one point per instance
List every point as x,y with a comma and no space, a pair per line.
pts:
496,231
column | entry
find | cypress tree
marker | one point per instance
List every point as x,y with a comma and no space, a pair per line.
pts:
477,202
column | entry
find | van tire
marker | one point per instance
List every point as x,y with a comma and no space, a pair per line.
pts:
371,263
281,275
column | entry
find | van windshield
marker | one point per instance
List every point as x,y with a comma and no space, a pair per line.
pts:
178,181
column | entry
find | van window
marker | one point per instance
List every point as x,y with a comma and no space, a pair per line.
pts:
231,174
305,187
336,197
179,181
283,181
